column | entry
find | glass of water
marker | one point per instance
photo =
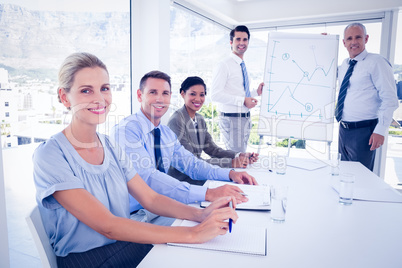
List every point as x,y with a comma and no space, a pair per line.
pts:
334,162
346,188
281,163
279,197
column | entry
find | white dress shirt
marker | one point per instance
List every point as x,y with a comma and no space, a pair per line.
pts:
227,88
372,91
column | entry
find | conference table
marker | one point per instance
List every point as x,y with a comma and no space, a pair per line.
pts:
317,232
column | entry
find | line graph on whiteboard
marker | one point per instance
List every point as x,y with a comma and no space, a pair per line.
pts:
299,79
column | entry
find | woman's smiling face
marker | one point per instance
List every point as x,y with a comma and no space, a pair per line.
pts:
194,97
90,96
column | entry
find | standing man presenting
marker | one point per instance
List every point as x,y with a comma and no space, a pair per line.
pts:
231,90
367,99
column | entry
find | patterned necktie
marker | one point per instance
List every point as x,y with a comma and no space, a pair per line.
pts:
343,90
245,79
157,149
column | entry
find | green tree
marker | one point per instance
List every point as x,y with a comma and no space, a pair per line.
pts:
209,112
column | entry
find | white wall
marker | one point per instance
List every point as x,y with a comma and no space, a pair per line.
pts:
150,41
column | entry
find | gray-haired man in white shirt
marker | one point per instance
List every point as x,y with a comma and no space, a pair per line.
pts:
365,109
230,90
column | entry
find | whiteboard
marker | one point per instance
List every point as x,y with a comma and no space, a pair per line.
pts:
299,86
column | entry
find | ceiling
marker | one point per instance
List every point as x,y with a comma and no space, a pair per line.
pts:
271,12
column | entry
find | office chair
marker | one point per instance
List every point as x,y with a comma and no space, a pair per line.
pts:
45,250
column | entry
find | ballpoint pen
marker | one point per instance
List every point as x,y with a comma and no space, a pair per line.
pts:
230,220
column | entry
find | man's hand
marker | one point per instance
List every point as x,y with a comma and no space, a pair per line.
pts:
241,161
376,140
226,190
250,102
259,90
242,178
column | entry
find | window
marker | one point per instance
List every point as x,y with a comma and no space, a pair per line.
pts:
6,104
398,57
35,37
7,114
39,37
196,46
393,170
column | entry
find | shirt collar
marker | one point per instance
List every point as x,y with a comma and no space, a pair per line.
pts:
195,121
146,124
361,56
236,58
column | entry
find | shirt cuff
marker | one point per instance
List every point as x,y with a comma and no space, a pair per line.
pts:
197,193
224,174
381,129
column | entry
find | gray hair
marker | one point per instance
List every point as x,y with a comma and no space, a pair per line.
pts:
74,63
355,24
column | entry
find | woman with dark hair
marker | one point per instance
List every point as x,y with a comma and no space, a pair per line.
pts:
191,130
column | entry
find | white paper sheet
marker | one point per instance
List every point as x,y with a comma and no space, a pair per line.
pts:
242,239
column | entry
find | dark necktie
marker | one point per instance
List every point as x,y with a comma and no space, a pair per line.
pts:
197,131
157,149
245,79
343,90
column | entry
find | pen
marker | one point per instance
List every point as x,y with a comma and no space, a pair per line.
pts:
252,154
230,220
244,194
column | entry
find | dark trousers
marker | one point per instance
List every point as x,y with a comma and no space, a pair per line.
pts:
119,254
354,145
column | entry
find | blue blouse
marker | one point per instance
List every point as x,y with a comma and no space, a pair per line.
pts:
58,166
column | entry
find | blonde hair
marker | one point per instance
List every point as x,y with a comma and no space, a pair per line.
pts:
74,63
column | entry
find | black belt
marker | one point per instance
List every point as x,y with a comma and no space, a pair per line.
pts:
359,124
236,114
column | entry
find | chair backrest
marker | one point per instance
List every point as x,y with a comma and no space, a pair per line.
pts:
41,239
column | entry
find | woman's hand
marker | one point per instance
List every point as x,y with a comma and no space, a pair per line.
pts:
215,220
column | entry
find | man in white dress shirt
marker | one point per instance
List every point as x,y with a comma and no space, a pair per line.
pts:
369,102
230,90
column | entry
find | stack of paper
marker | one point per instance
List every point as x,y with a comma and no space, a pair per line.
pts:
306,164
384,194
242,239
258,195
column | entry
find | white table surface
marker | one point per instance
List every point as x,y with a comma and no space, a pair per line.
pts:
318,231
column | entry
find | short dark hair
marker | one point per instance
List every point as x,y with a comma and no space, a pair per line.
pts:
240,28
192,81
154,74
